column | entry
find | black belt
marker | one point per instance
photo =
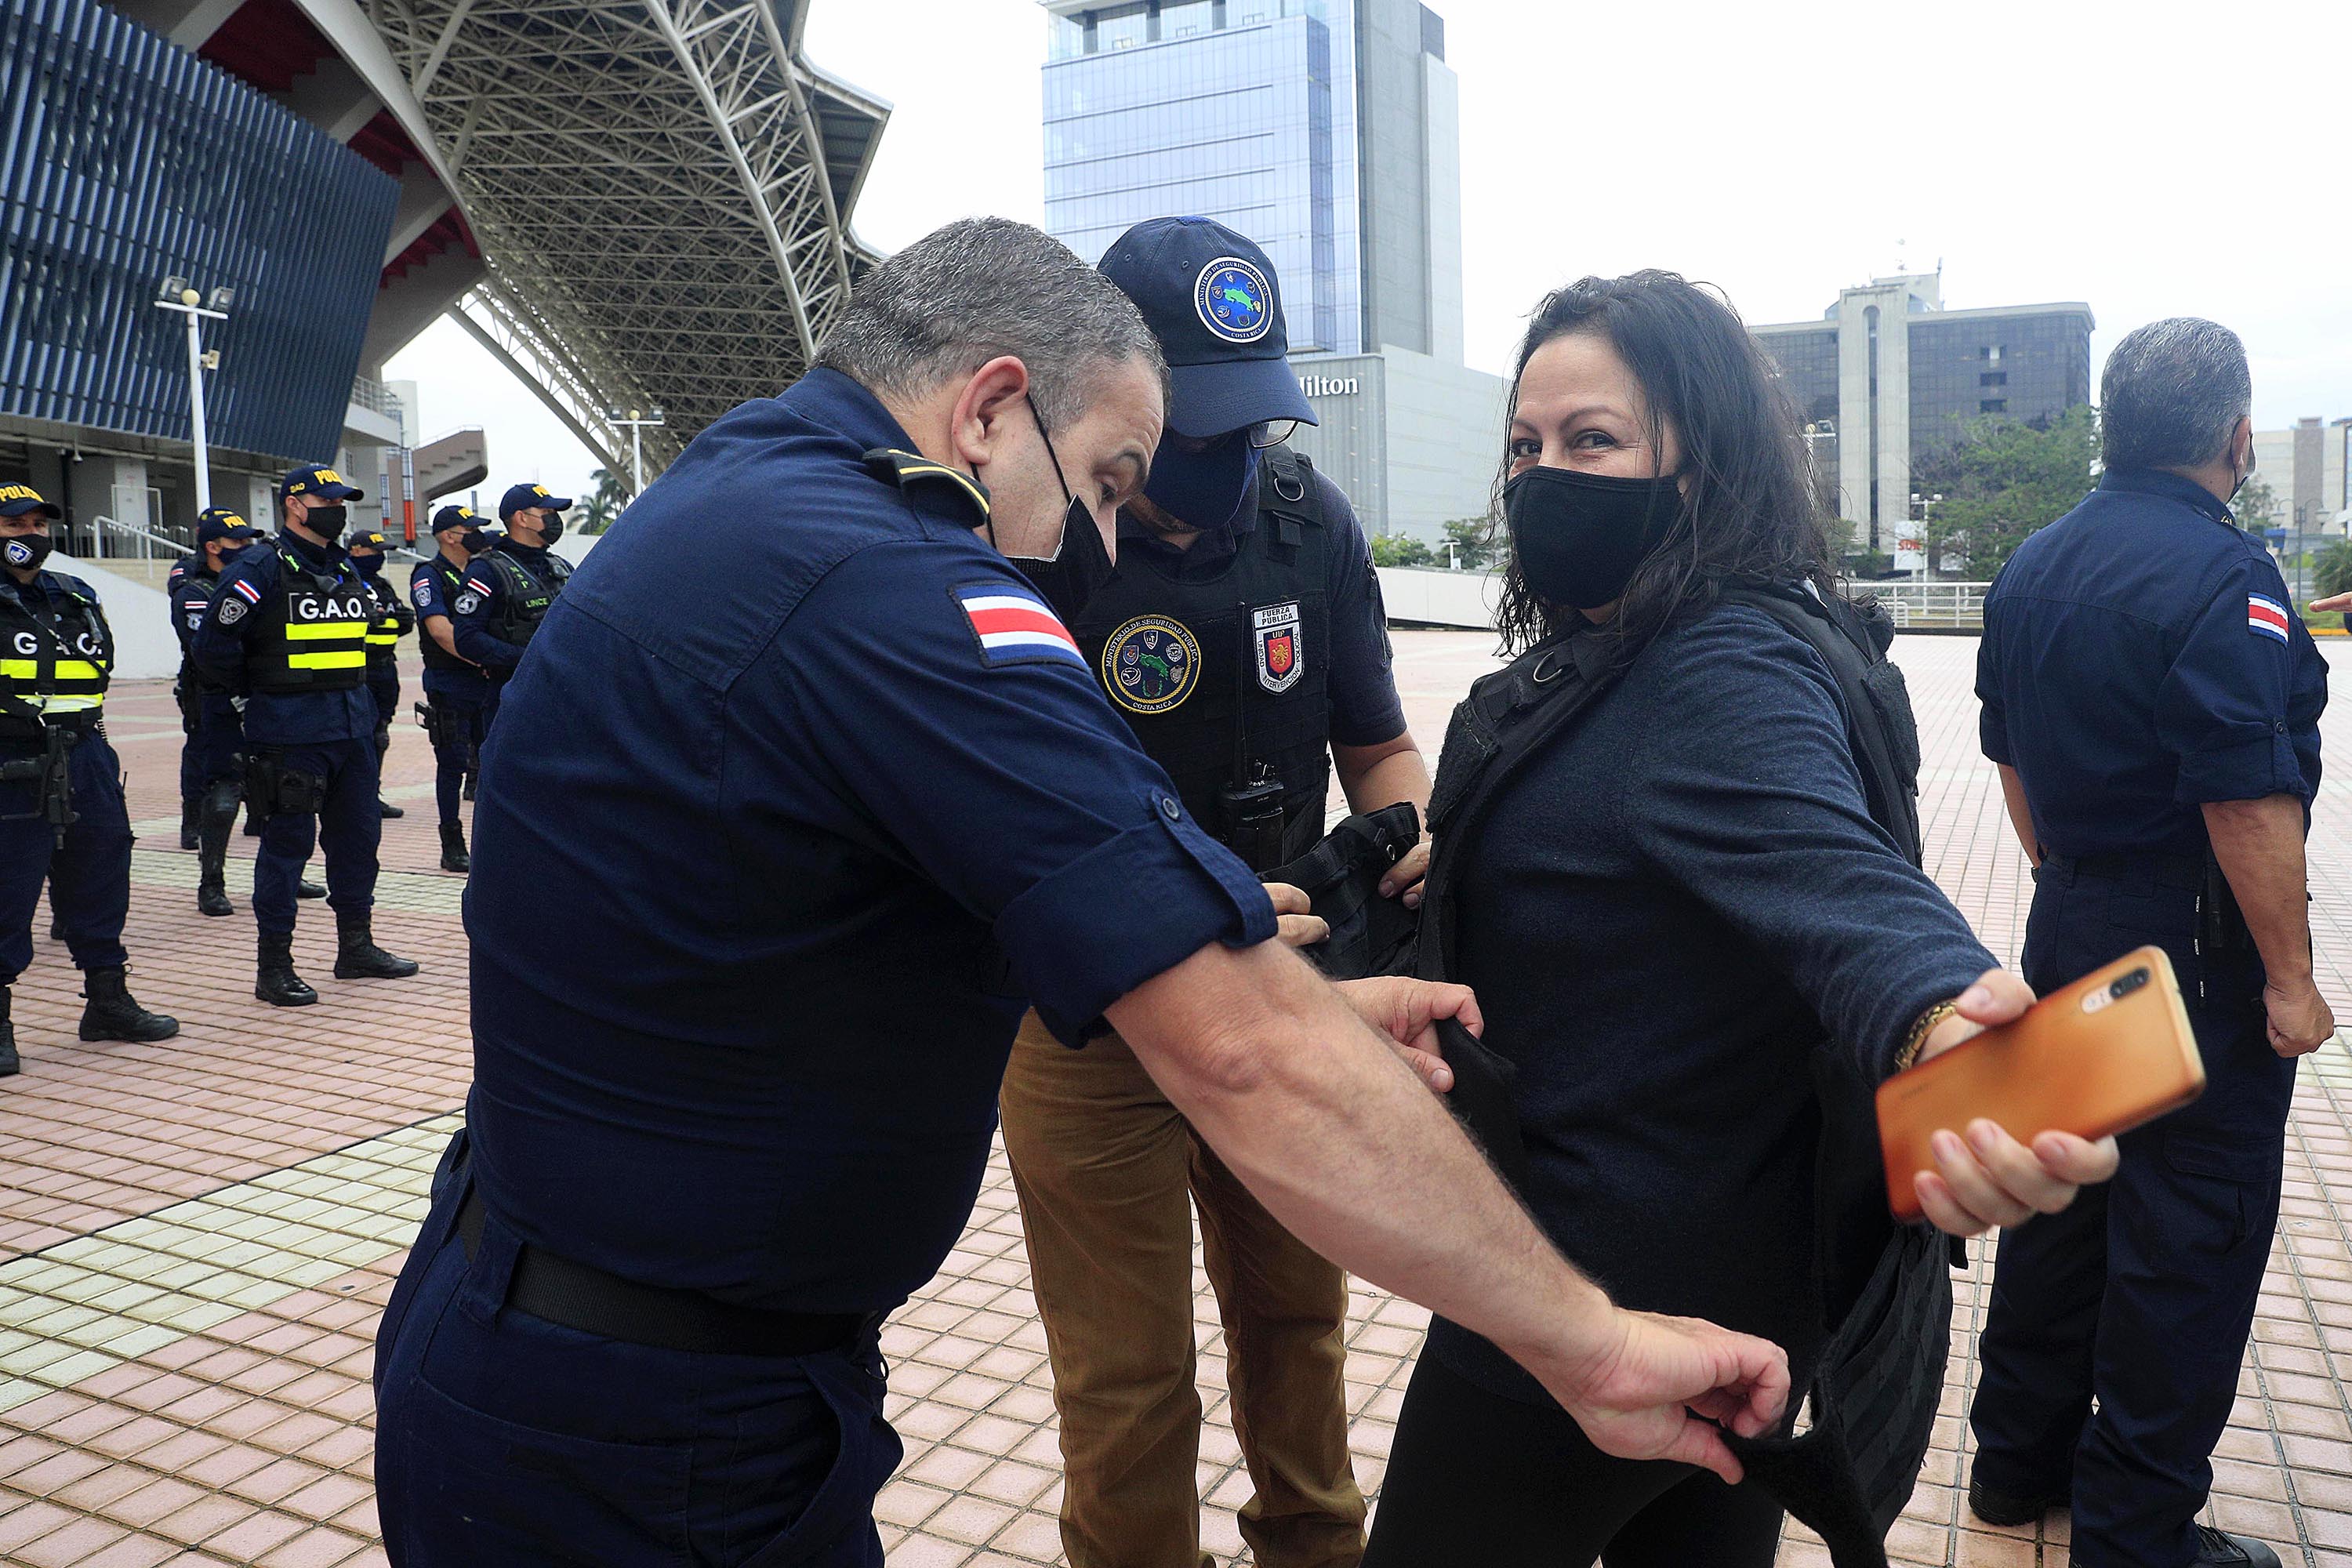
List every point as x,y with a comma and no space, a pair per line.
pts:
577,1296
2183,872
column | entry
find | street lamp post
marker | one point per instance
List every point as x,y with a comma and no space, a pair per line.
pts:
195,309
635,422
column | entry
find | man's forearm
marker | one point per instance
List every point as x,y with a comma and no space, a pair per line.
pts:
2259,845
1377,776
1352,1153
437,628
2021,815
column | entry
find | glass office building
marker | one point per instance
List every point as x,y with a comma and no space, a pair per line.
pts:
1888,375
1326,131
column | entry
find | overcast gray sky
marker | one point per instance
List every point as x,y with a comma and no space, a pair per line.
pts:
2153,157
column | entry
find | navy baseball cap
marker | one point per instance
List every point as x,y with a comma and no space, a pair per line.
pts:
365,539
317,481
219,522
15,500
522,497
450,517
1211,298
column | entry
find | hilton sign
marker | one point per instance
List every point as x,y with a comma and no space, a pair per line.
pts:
1328,385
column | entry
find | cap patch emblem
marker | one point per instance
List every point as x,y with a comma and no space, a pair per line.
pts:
1151,665
1233,300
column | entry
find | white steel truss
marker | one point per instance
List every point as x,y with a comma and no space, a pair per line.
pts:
650,184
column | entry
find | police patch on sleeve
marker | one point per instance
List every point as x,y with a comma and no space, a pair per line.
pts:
1013,625
1275,633
2267,617
1151,664
232,610
467,603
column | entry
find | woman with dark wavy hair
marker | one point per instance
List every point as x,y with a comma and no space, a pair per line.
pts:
1666,909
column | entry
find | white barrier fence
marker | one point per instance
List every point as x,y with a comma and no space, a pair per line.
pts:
1435,597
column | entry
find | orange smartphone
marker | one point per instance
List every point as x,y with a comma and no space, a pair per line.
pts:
2104,1055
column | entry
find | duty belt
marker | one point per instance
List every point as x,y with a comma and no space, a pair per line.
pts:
577,1296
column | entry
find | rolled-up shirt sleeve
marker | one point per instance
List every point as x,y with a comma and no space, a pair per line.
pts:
2223,707
1773,832
996,767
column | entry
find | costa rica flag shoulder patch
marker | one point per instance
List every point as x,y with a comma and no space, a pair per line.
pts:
2265,617
245,591
1013,625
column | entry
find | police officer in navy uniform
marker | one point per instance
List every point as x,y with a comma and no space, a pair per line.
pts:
61,811
208,714
508,591
769,862
1243,639
2153,702
392,620
288,625
212,764
455,688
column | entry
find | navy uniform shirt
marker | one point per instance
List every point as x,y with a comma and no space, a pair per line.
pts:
280,718
431,588
802,798
2141,657
475,609
188,607
1360,686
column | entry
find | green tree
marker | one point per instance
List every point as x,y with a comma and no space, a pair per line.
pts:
1396,550
2257,506
2003,481
2332,573
1473,541
604,503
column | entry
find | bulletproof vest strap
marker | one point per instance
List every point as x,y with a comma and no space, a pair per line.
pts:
1288,502
1341,875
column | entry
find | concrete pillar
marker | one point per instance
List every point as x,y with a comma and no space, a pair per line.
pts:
111,487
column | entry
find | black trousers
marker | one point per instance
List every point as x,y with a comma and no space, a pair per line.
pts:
1475,1477
2143,1293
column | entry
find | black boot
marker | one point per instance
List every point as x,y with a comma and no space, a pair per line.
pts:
190,810
468,792
217,817
385,809
305,888
274,981
9,1062
114,1013
357,957
453,848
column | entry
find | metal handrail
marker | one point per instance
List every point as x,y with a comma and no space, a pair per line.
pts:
148,536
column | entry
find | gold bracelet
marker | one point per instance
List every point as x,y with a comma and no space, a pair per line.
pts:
1917,1040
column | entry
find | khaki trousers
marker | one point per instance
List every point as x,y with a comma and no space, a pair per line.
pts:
1104,1166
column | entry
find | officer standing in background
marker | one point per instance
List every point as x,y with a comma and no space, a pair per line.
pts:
289,625
2153,704
392,621
211,763
220,534
455,689
768,864
505,592
61,811
1242,638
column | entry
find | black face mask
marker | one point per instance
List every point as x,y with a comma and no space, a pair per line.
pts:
550,531
369,565
1079,565
1577,536
474,542
27,550
326,522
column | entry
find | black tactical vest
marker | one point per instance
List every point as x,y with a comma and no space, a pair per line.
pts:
320,640
1222,677
384,626
195,589
54,662
447,577
524,599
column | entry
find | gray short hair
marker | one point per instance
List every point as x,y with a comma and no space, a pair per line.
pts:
2172,394
980,288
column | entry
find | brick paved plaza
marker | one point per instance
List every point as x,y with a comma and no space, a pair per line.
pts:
196,1236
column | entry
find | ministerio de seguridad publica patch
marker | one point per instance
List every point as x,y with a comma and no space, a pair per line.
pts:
1151,664
1233,300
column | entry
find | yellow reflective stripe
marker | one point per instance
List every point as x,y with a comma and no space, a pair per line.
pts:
52,702
382,639
79,669
324,631
19,669
337,658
